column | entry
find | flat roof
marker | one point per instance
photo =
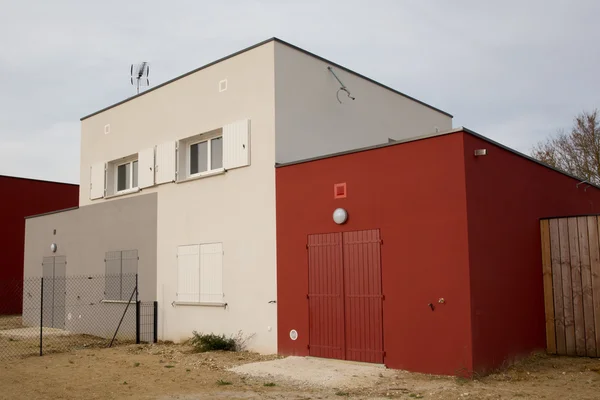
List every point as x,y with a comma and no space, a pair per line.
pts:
273,39
429,136
38,180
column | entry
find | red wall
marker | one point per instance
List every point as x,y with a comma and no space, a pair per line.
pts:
415,194
22,198
506,196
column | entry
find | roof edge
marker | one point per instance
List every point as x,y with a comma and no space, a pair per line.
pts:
272,39
432,135
38,180
52,212
374,147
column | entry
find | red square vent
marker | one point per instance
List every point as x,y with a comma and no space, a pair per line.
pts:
339,190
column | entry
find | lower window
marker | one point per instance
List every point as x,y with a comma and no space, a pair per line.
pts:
200,273
120,275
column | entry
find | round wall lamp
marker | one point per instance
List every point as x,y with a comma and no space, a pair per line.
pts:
340,216
53,247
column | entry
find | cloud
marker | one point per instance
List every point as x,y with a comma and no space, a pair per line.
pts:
514,71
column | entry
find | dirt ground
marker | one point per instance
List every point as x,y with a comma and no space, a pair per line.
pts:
170,372
17,341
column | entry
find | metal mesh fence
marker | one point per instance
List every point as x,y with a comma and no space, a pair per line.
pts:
66,313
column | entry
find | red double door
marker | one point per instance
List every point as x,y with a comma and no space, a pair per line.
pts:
345,296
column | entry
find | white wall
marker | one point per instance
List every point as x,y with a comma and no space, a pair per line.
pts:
311,122
236,208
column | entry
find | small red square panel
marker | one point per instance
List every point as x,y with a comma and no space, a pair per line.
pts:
339,190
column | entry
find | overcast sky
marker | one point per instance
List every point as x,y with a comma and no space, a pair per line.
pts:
513,70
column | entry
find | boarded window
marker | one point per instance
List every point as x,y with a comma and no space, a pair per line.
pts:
200,273
120,274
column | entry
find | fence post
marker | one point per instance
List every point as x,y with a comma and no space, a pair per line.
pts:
155,338
137,322
137,312
41,315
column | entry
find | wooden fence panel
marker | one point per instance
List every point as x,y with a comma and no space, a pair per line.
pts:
565,266
559,309
548,292
576,285
594,237
586,287
571,279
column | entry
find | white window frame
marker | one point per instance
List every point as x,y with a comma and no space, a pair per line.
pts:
200,294
116,177
209,170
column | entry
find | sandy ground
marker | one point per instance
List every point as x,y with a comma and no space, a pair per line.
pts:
170,372
17,341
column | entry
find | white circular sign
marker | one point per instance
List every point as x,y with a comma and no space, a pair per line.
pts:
293,334
340,216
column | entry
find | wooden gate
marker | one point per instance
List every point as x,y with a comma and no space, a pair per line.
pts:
345,296
571,266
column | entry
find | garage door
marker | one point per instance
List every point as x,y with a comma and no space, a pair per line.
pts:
345,296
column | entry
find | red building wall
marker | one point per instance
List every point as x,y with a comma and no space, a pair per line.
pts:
506,196
415,194
21,198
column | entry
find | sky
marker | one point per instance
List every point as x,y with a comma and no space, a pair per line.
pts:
514,71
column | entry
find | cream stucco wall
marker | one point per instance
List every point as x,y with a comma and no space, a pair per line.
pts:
310,121
236,208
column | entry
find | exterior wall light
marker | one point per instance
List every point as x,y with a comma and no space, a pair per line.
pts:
53,247
340,216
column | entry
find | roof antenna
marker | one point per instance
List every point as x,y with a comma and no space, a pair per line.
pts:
140,73
342,88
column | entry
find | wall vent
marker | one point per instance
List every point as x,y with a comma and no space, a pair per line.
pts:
339,191
223,85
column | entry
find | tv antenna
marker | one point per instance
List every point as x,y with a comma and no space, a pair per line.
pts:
139,75
342,88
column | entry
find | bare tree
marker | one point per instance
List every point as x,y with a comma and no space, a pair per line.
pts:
577,153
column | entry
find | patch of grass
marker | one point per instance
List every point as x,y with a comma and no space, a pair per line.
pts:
270,384
169,366
124,382
461,380
415,396
137,364
341,393
221,382
211,342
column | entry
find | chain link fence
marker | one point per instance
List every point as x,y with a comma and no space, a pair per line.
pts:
61,314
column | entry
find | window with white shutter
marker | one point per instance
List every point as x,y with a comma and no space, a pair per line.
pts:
97,181
200,273
121,267
236,144
165,166
145,168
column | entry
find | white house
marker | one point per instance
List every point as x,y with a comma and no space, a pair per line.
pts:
207,143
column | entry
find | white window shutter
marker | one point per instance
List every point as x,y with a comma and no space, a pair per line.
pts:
165,163
236,144
97,181
211,273
146,168
188,273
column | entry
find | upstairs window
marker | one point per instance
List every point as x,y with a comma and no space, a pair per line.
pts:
126,176
205,156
